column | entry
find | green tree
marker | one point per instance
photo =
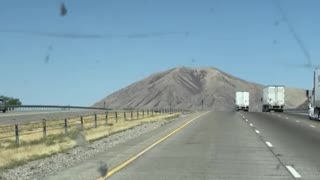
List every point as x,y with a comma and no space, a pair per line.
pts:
10,101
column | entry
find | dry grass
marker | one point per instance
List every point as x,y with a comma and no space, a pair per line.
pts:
33,146
12,157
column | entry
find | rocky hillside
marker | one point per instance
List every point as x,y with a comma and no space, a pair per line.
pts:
187,88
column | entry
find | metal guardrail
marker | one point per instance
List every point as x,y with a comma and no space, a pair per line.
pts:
66,108
50,107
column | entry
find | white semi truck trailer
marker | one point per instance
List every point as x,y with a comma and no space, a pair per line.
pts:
273,99
242,100
314,105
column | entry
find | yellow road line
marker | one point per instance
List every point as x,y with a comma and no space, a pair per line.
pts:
130,160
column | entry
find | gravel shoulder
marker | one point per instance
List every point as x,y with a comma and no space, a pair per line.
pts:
85,161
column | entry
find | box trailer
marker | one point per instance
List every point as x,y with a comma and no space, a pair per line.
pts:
273,99
242,100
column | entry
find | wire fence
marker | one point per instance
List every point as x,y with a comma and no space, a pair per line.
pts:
37,131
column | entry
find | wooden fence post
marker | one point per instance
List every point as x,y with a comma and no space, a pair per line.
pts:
44,129
116,114
17,134
81,123
65,126
95,120
106,118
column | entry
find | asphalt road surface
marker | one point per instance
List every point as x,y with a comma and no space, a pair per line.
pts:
217,145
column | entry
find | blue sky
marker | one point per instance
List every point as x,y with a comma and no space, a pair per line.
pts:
246,38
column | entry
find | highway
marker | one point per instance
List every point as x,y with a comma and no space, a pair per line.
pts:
217,145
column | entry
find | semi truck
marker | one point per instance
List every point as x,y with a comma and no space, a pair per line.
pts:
242,101
273,98
2,105
314,97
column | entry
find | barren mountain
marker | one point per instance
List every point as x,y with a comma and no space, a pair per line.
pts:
187,88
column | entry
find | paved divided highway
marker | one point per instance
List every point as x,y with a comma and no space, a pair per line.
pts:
217,145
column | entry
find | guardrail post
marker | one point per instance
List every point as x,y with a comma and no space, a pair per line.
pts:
147,113
106,118
81,123
116,114
124,116
95,120
131,115
44,129
65,126
142,113
17,134
152,112
137,114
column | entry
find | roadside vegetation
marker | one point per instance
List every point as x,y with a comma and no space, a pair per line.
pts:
34,145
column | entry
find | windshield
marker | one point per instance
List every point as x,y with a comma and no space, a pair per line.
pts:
159,89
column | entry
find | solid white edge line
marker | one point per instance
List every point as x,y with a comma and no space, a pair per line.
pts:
251,124
258,132
293,172
269,144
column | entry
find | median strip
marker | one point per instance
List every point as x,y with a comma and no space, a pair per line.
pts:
130,160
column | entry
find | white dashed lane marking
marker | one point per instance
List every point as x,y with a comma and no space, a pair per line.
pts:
293,172
258,132
312,126
251,125
297,121
269,144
